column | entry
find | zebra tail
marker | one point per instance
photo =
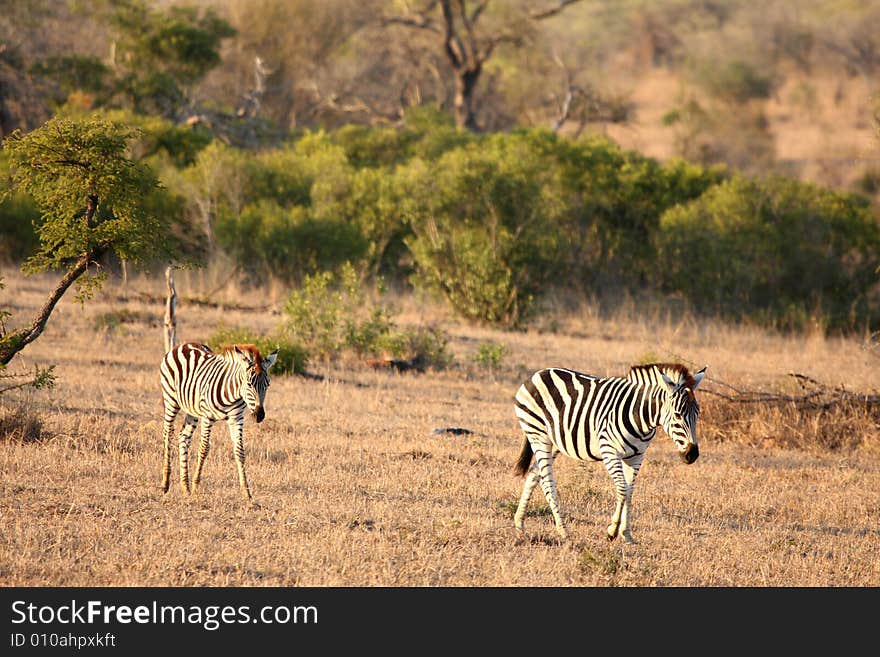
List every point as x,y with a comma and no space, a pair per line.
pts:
525,459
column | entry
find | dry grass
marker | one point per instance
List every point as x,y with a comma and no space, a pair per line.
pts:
353,488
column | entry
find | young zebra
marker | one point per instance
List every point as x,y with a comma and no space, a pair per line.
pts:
603,419
211,387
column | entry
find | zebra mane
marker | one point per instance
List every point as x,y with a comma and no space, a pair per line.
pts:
229,349
673,370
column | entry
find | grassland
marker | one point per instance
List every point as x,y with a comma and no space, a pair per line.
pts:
353,487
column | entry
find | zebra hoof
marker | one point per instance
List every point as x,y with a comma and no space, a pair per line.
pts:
628,538
611,532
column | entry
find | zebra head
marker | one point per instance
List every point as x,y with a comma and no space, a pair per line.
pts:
255,381
678,414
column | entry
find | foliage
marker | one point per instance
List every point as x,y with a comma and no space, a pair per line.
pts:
77,74
328,314
616,198
490,354
94,201
427,345
18,216
268,241
778,251
484,223
160,137
425,132
292,356
68,164
160,53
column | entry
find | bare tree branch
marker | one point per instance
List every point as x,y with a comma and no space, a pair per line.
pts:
540,14
817,396
22,338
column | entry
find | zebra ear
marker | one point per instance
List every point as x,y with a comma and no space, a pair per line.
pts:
269,360
699,377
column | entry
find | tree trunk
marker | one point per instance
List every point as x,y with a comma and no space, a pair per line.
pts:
170,305
15,342
465,83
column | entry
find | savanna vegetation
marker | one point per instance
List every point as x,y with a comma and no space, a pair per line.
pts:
358,480
420,203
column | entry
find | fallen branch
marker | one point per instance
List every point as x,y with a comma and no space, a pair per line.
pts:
817,396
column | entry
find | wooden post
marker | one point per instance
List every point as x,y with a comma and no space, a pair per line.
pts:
170,305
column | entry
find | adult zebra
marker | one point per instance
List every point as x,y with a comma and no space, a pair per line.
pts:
603,419
211,386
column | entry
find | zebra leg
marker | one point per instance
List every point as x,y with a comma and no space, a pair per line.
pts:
544,457
623,472
236,431
204,446
631,467
183,443
168,429
531,481
614,466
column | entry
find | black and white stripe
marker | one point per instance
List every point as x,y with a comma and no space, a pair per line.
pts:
210,386
602,419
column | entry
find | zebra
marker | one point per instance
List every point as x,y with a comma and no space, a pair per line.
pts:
211,386
602,419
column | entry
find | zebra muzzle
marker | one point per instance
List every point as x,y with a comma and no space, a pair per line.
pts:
259,414
690,454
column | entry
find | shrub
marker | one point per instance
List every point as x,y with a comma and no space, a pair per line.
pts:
780,252
425,345
292,357
426,133
486,227
612,202
490,355
328,314
288,244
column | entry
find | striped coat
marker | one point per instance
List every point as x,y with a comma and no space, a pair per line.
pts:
210,386
612,420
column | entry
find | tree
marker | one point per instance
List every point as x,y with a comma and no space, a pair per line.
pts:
160,54
467,45
488,225
93,199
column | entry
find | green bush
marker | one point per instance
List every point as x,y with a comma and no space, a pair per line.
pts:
614,201
425,345
490,355
780,252
18,217
486,224
426,133
329,316
269,241
282,175
292,357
